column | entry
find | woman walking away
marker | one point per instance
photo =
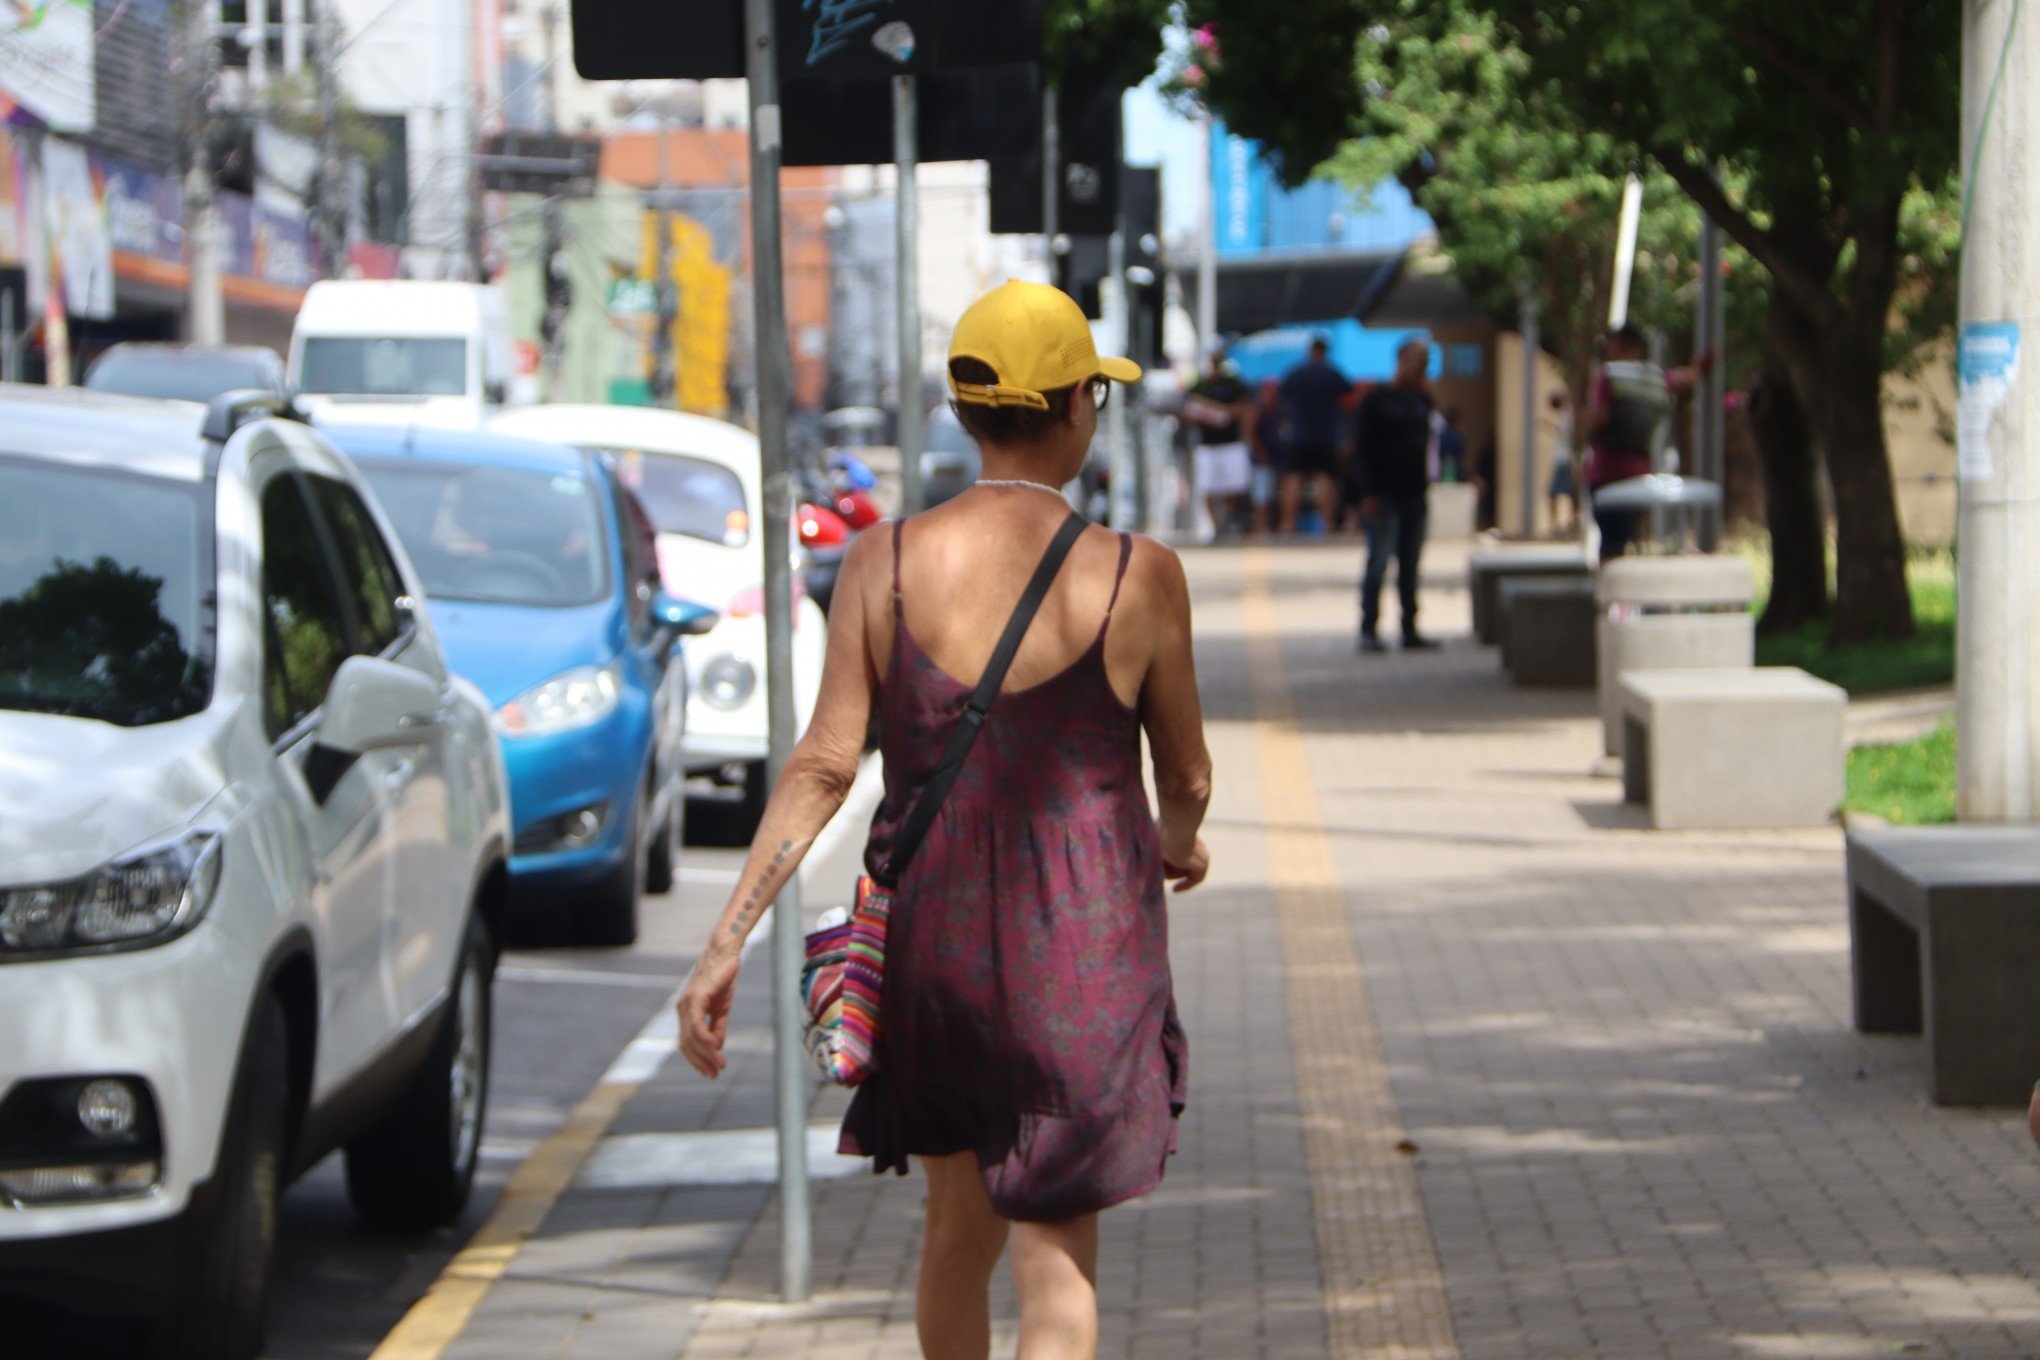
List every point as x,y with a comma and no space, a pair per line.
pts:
1028,1052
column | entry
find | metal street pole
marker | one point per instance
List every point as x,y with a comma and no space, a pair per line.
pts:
1531,342
775,390
907,220
1121,503
1707,394
1207,245
1997,694
1051,177
206,312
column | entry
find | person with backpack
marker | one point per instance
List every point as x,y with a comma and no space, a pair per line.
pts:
1629,410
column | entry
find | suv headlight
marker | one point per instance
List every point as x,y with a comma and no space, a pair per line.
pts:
145,898
575,698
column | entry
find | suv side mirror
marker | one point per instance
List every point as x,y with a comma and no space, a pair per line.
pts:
374,704
684,617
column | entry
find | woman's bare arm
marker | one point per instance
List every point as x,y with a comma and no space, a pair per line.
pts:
811,789
1173,716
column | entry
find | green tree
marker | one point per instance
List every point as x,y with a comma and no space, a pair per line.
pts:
1829,122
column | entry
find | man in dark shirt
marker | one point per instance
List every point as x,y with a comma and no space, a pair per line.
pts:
1312,394
1392,475
1221,408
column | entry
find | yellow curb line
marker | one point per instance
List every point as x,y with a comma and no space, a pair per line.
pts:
438,1318
1384,1297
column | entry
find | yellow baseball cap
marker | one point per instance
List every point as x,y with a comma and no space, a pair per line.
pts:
1035,338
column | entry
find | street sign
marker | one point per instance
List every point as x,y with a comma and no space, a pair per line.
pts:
819,39
963,116
539,163
1087,128
632,297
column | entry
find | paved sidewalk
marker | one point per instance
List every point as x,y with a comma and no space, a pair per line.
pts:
1480,1067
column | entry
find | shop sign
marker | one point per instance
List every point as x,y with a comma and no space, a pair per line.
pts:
46,67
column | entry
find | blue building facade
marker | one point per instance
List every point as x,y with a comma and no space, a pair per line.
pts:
1256,215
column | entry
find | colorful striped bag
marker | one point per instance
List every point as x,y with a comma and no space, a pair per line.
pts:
840,985
842,981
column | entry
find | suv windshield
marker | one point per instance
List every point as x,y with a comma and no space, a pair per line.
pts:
106,586
497,535
384,366
685,495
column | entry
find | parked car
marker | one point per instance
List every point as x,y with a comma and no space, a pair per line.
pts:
253,845
186,372
699,479
546,591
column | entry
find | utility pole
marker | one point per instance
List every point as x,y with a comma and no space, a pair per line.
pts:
665,384
1997,698
1207,242
330,212
791,1074
554,295
907,220
1051,176
1122,503
206,314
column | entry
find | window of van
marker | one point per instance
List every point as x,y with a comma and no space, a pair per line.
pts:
384,366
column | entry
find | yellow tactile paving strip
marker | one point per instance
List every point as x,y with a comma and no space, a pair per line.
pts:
1383,1295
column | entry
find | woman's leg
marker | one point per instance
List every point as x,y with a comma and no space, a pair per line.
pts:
1055,1272
960,1247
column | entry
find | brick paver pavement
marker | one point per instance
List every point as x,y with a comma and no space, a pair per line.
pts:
1638,1122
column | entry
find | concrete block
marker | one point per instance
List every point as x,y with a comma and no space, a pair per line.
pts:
1732,748
1548,628
1681,581
1659,642
1454,512
1486,569
1944,937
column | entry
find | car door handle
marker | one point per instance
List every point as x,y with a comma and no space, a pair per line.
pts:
401,774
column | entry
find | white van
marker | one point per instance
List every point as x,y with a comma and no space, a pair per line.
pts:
401,350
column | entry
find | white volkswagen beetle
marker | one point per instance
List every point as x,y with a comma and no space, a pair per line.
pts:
699,480
252,848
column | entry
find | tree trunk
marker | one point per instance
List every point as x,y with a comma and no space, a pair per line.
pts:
1871,598
1784,438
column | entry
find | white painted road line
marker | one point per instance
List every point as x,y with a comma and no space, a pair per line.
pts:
525,972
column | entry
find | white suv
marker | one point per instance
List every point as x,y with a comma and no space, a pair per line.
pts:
252,847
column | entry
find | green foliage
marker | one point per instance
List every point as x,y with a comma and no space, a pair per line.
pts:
1925,658
91,639
1279,71
1909,783
1127,33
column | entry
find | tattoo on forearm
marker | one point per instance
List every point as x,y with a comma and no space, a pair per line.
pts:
752,899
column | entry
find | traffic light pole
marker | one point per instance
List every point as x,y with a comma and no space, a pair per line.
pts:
906,162
775,382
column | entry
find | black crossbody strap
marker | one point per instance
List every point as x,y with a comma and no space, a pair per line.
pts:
922,815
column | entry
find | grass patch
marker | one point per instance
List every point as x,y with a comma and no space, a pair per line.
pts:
1909,783
1925,658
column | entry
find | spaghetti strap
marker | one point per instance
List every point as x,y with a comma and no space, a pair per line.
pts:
897,526
1125,556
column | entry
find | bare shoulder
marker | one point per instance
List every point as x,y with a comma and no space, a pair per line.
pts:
1155,566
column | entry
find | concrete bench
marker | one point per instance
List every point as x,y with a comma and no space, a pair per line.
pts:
1548,627
1732,748
1670,614
1486,569
1944,936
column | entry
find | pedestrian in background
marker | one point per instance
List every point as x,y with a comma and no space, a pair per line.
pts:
1628,411
1267,443
1219,404
1451,466
1563,491
1028,1051
1313,393
1392,443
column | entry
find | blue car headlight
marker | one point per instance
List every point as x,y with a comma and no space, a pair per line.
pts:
571,699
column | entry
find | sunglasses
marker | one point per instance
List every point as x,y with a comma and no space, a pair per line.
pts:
1101,392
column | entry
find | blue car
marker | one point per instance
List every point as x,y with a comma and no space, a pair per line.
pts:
540,572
